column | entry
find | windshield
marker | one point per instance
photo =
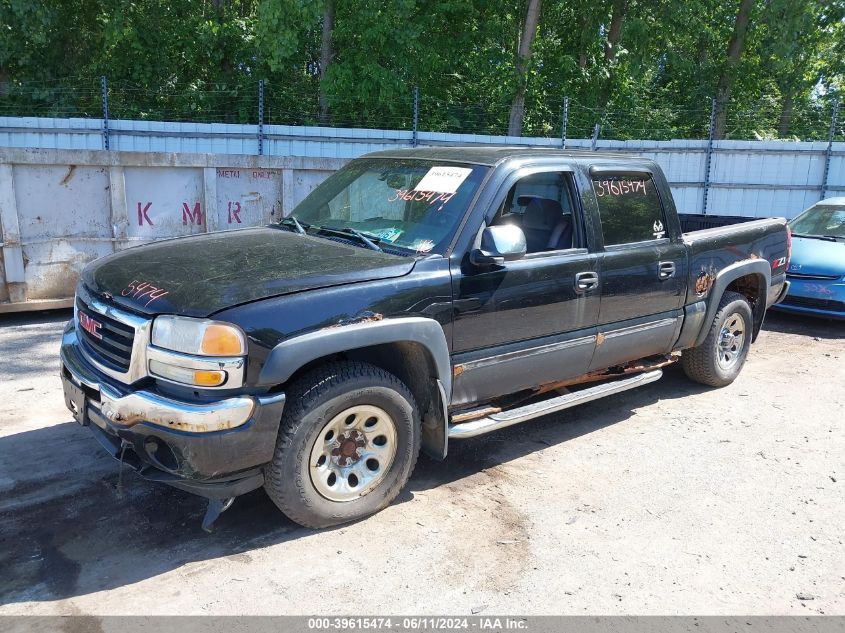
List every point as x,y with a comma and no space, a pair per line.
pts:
411,204
820,220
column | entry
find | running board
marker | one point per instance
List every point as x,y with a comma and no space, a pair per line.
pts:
529,412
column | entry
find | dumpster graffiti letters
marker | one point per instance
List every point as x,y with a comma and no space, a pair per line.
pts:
234,212
142,214
194,216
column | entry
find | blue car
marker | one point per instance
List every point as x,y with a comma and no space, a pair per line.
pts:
817,268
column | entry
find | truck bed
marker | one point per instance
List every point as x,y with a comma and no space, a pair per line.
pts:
697,222
713,249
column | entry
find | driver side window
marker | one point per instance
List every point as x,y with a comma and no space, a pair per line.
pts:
541,205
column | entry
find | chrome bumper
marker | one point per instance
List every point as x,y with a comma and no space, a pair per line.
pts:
143,406
782,294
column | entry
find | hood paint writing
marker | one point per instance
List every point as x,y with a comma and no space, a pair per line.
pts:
198,276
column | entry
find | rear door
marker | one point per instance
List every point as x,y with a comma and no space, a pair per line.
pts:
642,265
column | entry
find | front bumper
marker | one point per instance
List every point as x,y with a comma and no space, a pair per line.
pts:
214,449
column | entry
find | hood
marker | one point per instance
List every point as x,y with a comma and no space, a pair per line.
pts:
817,257
200,275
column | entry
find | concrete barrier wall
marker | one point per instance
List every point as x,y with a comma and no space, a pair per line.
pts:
60,209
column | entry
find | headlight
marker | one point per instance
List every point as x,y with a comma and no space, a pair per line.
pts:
198,336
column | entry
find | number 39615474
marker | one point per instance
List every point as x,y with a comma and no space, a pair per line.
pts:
618,187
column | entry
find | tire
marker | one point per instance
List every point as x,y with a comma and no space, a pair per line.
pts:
719,359
318,443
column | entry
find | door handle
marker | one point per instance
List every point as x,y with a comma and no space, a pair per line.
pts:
584,282
665,270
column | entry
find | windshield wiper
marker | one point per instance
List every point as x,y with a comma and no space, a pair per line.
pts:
826,238
296,225
366,241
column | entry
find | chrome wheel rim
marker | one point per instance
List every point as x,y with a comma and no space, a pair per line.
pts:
353,453
731,341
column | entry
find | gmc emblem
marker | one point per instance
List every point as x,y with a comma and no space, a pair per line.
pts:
90,325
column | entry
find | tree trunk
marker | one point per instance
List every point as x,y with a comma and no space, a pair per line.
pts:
523,60
618,15
582,44
619,8
326,56
785,120
735,47
229,100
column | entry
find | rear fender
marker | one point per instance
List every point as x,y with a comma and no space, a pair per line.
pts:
724,278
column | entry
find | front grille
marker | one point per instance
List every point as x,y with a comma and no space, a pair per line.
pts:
811,302
816,277
114,349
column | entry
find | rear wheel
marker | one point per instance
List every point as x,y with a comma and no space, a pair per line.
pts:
719,359
348,442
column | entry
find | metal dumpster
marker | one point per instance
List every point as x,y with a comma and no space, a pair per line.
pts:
60,209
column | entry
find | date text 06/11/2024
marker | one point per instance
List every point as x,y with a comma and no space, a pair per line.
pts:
428,623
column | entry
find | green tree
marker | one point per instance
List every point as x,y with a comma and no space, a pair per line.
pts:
796,54
522,65
640,68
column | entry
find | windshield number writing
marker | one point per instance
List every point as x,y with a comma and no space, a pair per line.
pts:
410,195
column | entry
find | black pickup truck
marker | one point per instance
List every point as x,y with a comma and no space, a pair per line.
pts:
414,298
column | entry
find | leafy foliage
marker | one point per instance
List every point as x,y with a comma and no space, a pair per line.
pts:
652,75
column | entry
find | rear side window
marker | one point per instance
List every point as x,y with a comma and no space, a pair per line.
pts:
630,209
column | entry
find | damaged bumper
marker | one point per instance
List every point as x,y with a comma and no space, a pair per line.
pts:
214,449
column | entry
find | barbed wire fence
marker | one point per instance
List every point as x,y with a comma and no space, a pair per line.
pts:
258,102
119,109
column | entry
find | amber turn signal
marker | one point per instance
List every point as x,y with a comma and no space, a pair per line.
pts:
222,340
206,378
188,376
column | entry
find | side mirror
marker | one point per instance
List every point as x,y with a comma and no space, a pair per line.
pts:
499,244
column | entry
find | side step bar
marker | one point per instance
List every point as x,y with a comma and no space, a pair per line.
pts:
529,412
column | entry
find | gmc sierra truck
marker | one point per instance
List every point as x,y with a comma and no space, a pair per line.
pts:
416,297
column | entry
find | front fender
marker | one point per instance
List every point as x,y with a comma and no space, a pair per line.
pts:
292,354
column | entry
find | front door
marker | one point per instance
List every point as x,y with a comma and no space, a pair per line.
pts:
529,321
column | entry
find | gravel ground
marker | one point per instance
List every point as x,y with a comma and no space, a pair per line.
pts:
672,498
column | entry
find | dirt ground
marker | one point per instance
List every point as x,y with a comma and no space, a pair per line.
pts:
672,498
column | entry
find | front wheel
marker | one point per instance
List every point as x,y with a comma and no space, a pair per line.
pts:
719,359
349,440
